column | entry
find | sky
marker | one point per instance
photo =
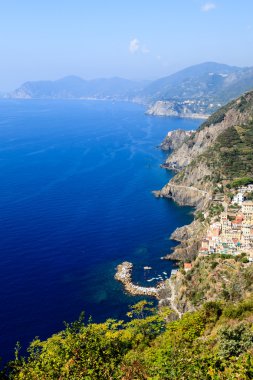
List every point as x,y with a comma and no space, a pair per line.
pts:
140,39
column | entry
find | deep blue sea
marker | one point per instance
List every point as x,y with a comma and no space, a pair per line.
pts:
75,200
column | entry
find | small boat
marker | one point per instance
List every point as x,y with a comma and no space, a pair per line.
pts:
147,268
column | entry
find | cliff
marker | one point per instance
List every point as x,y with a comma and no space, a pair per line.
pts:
237,112
184,109
219,152
212,278
175,139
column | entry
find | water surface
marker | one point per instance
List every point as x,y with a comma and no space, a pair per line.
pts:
75,200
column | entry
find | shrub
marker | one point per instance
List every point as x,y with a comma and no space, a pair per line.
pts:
234,340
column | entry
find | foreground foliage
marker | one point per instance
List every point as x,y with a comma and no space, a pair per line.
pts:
215,342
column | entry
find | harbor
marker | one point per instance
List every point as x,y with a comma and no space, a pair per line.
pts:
124,275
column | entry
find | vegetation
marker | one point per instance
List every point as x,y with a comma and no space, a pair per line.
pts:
217,117
230,159
199,215
215,342
232,155
240,182
214,278
215,209
241,104
249,195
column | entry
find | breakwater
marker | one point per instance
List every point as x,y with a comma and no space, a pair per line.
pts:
124,275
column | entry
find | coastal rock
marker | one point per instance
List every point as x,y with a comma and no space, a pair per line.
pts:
184,195
189,237
182,109
175,139
185,232
179,301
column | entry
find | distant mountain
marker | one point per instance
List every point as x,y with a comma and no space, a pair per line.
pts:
73,87
201,81
197,90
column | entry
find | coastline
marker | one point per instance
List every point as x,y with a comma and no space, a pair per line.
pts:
181,116
183,196
124,275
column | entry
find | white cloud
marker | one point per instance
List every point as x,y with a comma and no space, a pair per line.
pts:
208,7
134,45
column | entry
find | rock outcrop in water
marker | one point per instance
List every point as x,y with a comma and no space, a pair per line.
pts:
184,195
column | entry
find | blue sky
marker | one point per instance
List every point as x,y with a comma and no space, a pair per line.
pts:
132,39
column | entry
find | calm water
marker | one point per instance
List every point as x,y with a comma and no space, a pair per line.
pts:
75,200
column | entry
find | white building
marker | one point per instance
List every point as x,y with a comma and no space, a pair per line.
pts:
238,199
244,189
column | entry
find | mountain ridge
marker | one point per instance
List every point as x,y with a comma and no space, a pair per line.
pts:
196,91
74,87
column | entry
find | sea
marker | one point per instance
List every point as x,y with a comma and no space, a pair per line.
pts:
76,181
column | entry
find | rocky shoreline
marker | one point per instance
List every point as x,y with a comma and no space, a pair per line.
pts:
124,275
181,109
184,195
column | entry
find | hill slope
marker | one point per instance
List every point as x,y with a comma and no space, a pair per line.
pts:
73,87
220,150
215,342
197,90
208,163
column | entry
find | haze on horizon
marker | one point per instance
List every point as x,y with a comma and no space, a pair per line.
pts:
134,40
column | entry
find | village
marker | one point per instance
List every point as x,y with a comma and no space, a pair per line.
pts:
232,233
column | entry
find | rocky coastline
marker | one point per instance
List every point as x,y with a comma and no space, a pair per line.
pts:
187,236
181,109
184,195
174,139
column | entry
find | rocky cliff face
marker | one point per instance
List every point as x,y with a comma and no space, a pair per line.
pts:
203,283
200,162
184,195
189,237
206,135
218,152
175,139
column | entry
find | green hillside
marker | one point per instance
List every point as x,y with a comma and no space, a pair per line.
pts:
230,156
209,81
215,342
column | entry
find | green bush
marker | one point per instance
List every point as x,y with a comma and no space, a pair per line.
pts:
235,340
